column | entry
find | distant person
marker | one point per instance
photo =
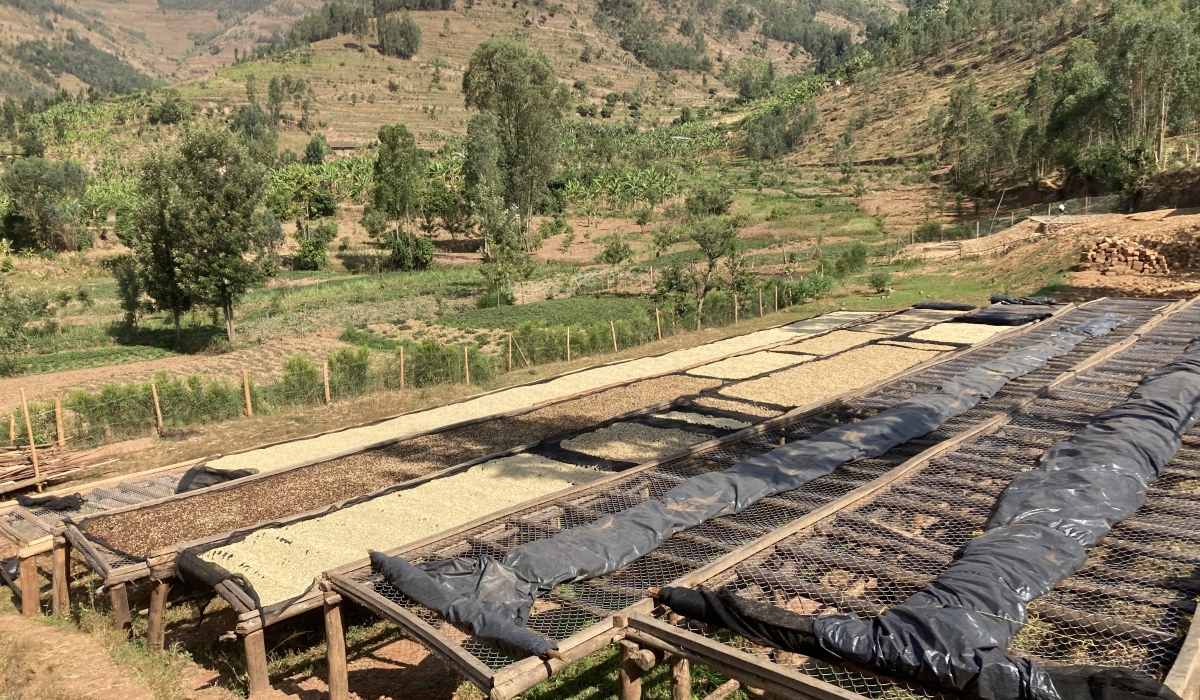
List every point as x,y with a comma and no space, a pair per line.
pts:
1062,208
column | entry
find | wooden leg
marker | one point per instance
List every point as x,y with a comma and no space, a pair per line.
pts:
60,600
155,627
633,661
118,597
31,591
256,664
681,679
335,643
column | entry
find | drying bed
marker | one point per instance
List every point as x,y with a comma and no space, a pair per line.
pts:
143,530
957,333
1131,604
745,366
281,563
814,380
585,609
632,442
831,343
325,446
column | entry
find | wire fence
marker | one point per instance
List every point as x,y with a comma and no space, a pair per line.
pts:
172,406
1002,221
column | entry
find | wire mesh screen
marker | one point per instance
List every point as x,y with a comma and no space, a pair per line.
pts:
573,607
1130,605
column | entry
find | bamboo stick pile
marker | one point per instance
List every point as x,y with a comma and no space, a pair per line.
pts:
16,465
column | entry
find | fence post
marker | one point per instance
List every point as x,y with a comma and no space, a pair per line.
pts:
401,368
760,307
1087,201
510,352
1012,218
568,342
62,440
658,320
37,472
12,430
735,310
467,365
246,391
613,327
157,407
977,229
776,298
324,380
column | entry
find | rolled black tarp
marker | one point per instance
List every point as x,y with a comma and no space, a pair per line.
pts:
955,632
71,502
943,306
501,594
1006,299
202,476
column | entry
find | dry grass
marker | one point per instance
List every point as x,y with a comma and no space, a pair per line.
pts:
281,563
822,379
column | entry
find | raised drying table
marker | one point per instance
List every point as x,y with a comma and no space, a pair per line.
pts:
117,569
583,617
1130,605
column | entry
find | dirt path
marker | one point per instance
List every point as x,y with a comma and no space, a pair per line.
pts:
39,661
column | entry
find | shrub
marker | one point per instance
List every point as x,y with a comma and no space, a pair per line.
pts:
880,280
708,201
314,244
349,372
851,260
928,232
300,384
409,252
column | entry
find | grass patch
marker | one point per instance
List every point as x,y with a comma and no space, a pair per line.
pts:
576,311
84,359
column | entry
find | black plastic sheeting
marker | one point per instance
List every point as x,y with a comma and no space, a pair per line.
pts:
1006,299
1008,315
202,476
72,502
943,306
493,599
954,633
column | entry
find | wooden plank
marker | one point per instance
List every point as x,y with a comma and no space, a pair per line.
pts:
1184,675
31,589
733,663
234,595
40,546
471,667
335,653
308,602
574,648
257,674
81,543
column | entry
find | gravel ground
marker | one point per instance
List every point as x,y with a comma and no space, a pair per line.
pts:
209,513
959,332
751,365
701,419
822,379
836,341
633,442
298,451
282,563
736,406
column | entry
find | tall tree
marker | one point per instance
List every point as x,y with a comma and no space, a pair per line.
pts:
158,236
314,151
398,176
481,167
228,237
45,203
399,37
522,91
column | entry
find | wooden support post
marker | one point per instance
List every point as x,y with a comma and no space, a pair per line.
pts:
246,392
155,623
658,322
118,598
467,365
510,352
629,672
256,664
58,429
31,590
1087,202
335,654
776,298
402,367
157,407
60,578
37,472
613,327
681,679
760,306
977,229
568,342
325,380
735,309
